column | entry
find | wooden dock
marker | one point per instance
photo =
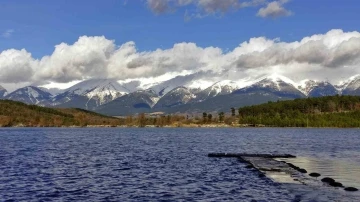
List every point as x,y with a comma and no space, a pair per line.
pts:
241,155
269,165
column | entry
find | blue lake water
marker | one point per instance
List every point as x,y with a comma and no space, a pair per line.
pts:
159,164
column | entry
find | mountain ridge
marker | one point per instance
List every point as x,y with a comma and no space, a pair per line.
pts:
109,96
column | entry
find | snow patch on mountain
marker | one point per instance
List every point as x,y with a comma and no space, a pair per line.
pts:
270,80
274,81
226,86
352,83
276,84
3,92
190,82
30,95
184,92
306,86
155,100
312,88
199,84
219,88
178,96
52,91
97,85
103,90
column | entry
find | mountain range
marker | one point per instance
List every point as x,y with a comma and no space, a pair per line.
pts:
177,95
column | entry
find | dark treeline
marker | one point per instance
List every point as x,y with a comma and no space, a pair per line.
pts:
331,111
14,113
178,120
19,114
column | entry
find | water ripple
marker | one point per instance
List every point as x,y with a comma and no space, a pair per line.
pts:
159,164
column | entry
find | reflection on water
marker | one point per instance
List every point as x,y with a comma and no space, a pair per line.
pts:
348,173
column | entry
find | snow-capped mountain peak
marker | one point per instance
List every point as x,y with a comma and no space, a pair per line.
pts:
53,91
31,91
306,86
352,83
3,92
224,83
182,92
275,81
313,88
97,85
278,77
103,90
218,88
30,95
189,81
177,96
274,84
351,86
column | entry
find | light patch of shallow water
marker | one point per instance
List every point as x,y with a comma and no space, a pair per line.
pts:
303,186
282,177
346,172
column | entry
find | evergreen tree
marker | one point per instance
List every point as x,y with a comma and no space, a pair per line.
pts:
209,118
221,116
232,111
330,111
204,117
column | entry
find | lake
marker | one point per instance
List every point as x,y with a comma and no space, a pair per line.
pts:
169,164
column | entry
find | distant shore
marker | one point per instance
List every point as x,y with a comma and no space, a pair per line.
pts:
132,126
168,126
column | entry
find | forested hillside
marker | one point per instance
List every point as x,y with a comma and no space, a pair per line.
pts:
14,113
331,111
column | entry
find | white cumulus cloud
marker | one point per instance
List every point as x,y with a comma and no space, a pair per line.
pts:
16,66
330,56
86,58
274,9
334,49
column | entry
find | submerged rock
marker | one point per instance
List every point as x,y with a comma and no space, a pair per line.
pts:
291,165
314,174
302,170
249,166
351,189
327,180
335,184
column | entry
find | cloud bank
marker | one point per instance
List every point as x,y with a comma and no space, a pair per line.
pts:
205,8
332,55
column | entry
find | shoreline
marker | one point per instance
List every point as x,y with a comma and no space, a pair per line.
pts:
175,126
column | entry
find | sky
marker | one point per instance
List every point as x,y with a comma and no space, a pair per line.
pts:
60,42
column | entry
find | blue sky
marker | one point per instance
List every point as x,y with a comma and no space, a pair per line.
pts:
57,42
38,25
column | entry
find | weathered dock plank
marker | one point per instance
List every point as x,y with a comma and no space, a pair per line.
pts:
241,155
